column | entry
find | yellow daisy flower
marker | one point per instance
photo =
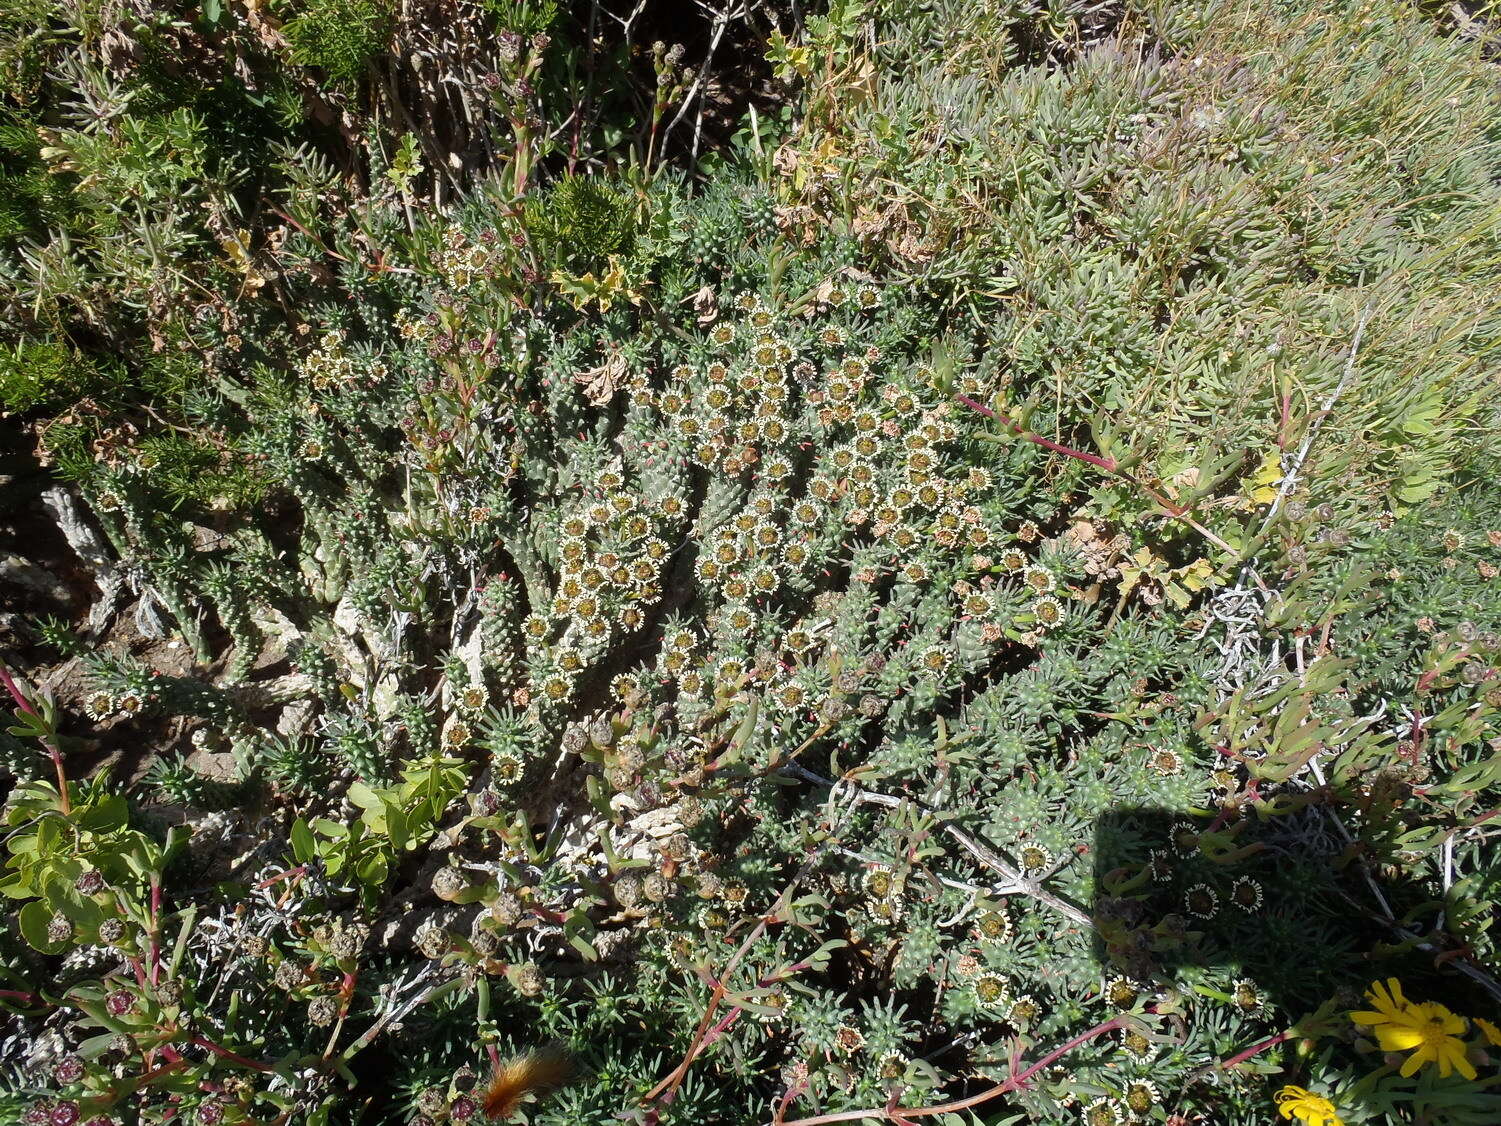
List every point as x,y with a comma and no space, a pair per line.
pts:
1491,1033
1386,999
1427,1029
1305,1106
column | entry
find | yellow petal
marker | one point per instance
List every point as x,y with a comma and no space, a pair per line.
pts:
1393,1038
1388,997
1454,1052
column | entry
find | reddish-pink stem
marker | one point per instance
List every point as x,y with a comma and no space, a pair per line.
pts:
233,1057
786,1100
289,873
719,1029
1105,463
10,686
1254,1049
1016,1082
52,752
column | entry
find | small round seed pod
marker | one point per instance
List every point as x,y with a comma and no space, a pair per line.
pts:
449,883
432,943
68,1069
120,1002
690,812
507,909
602,733
629,758
530,981
487,802
289,975
322,1011
628,891
656,887
348,941
709,886
484,941
112,932
59,928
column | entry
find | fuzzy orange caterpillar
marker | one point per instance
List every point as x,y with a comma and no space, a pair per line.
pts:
534,1072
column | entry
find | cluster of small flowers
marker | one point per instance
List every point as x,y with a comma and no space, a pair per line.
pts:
734,415
882,472
611,552
884,893
1134,1104
421,329
328,365
461,263
103,705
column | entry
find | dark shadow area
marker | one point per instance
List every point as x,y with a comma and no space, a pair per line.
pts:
1282,904
1273,917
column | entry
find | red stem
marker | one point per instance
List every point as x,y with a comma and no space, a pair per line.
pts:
1254,1049
52,752
1105,463
1016,1082
10,685
233,1057
718,1030
290,872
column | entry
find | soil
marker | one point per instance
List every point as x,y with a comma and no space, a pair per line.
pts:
40,578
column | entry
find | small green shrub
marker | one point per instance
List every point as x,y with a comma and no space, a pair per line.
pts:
987,601
340,37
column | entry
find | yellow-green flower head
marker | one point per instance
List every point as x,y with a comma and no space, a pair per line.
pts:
1305,1106
1427,1029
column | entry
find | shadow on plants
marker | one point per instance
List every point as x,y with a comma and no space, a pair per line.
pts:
1271,916
1277,918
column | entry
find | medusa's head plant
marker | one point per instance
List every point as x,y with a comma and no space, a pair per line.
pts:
706,629
705,635
663,568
